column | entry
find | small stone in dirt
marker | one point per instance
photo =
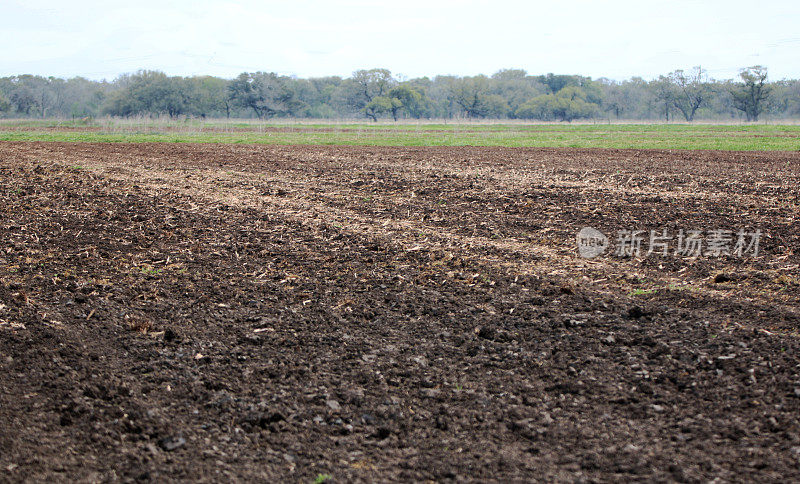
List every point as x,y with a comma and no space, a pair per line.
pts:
421,361
368,419
172,443
573,323
333,405
630,448
609,340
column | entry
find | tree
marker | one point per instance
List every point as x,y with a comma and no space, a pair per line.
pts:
614,99
369,85
751,95
5,105
82,98
380,105
665,94
43,92
495,106
150,92
374,82
470,94
408,98
557,82
207,95
786,98
30,95
690,91
267,94
22,98
321,96
640,102
439,91
568,104
515,87
376,94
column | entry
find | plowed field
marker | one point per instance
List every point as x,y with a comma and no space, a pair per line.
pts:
218,312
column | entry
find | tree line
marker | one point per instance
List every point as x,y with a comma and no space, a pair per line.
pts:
378,94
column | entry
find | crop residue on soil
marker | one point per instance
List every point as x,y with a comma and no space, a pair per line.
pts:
245,312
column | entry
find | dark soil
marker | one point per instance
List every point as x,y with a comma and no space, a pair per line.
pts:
219,312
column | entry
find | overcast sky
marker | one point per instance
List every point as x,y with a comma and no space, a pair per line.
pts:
613,38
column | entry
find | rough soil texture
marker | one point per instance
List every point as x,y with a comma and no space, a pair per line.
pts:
218,312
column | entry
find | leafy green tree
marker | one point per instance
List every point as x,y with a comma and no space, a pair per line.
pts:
665,94
347,98
267,94
568,104
510,75
470,94
5,105
374,82
375,93
540,107
439,91
380,105
495,106
29,94
751,95
44,95
367,85
320,95
786,98
515,87
556,83
409,99
207,95
322,111
150,92
639,101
